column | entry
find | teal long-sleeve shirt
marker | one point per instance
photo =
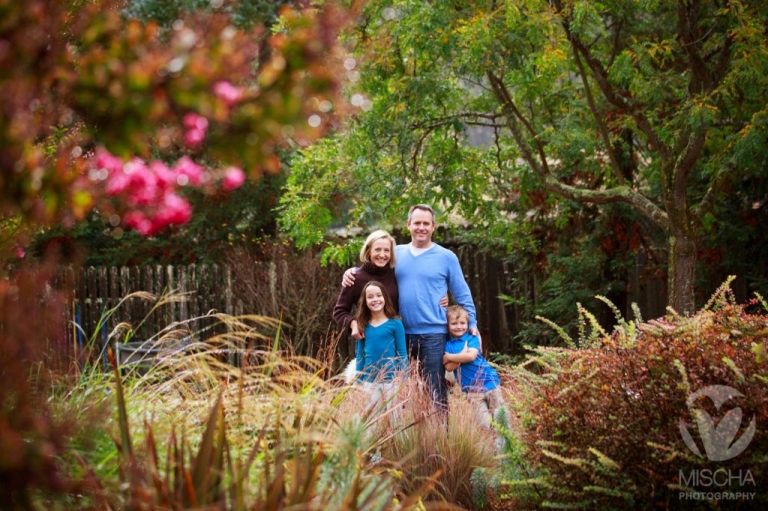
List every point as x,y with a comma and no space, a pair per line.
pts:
382,351
422,281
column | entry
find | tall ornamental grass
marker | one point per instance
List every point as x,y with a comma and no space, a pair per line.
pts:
190,429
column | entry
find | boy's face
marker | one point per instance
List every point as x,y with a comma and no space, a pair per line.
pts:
457,326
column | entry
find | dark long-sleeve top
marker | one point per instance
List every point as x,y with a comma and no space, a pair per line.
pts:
348,297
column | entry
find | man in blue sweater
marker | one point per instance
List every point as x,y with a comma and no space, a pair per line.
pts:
425,272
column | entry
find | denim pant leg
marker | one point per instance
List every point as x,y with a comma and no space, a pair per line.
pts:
429,350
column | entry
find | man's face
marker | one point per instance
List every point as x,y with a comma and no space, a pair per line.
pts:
421,227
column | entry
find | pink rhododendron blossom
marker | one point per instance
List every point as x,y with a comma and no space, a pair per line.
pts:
173,210
195,121
234,177
165,176
193,138
118,181
143,189
196,126
186,167
138,220
227,92
19,252
149,189
106,160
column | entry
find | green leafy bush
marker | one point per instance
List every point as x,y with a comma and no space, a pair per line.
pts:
605,421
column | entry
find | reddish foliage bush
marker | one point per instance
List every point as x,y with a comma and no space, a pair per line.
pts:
32,439
274,280
603,423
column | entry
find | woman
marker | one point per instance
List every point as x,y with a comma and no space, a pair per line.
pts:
378,258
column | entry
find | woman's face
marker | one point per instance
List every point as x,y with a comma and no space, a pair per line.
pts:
381,252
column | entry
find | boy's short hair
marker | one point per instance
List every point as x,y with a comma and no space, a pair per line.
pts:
456,311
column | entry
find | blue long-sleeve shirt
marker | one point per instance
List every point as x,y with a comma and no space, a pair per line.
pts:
422,281
382,351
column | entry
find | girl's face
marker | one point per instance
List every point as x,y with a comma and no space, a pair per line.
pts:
374,298
457,326
381,252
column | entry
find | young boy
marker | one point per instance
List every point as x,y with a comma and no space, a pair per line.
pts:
478,379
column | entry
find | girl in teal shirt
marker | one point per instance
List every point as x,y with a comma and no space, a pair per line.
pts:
381,352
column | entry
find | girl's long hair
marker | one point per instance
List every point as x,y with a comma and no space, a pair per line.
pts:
363,316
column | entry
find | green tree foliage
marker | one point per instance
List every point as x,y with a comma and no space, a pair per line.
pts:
496,109
244,13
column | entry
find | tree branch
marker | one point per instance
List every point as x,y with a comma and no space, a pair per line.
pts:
608,90
551,183
616,194
598,118
694,143
514,118
448,119
688,15
707,202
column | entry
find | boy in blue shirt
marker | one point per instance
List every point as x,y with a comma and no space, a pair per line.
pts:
478,379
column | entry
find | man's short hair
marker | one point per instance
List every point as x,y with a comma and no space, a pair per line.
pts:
423,207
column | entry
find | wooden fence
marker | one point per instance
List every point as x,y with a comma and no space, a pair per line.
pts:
124,295
210,288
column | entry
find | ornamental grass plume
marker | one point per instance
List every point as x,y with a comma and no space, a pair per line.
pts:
432,449
193,430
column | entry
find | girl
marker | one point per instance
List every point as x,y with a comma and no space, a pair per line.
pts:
381,351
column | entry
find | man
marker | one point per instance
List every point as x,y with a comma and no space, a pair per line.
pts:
425,272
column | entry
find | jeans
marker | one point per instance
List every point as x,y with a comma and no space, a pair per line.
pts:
429,349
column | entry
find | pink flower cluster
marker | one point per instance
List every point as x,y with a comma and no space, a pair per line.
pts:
227,92
149,190
196,126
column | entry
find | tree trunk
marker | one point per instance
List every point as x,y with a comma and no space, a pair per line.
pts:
680,268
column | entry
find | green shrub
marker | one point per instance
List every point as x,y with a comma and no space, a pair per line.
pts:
605,421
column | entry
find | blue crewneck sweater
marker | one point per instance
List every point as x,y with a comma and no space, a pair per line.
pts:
422,281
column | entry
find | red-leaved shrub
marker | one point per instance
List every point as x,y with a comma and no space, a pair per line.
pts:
605,422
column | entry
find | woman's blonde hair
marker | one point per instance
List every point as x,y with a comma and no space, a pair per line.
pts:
365,252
